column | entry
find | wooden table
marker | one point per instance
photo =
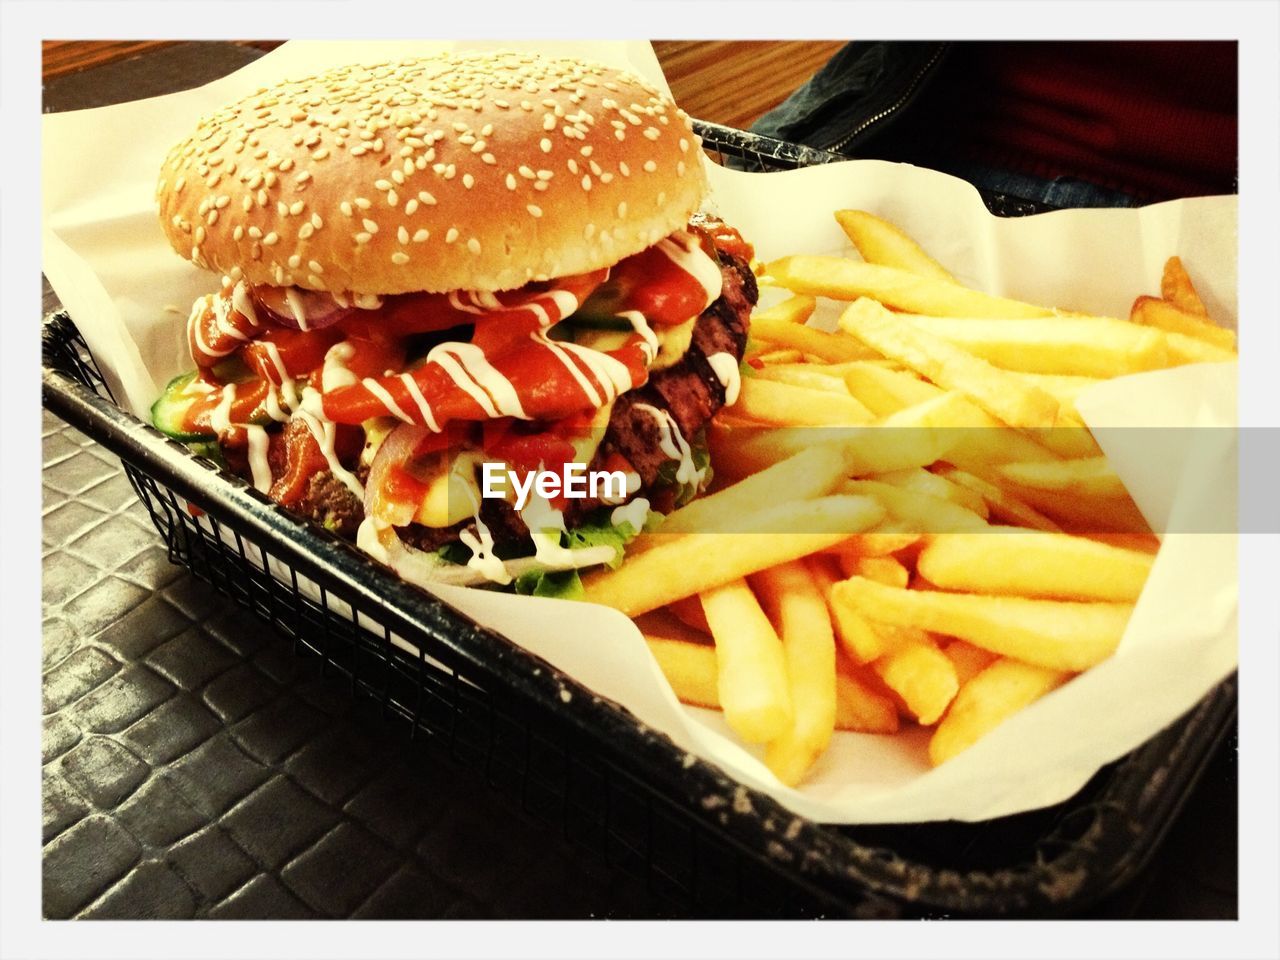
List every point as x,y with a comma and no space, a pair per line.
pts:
729,82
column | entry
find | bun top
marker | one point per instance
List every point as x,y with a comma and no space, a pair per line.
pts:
460,171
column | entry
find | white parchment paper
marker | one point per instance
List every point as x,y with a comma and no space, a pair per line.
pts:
129,293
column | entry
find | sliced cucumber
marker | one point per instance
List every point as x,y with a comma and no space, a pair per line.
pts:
169,413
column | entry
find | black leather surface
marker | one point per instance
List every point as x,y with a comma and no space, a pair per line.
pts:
193,767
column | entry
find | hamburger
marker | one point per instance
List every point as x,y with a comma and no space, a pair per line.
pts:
434,264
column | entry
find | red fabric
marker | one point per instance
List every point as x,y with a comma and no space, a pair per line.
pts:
1156,119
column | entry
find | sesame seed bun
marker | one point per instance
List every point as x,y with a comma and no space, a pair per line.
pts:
460,171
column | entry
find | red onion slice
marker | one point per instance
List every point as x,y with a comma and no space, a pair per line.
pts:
282,304
396,450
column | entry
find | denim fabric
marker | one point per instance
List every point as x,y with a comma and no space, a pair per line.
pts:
1058,193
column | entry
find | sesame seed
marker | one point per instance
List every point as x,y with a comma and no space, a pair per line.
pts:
370,225
534,211
402,235
586,182
684,144
393,198
382,184
426,198
282,208
363,237
305,231
411,207
315,266
345,207
650,166
527,172
222,201
452,235
548,121
247,203
255,232
363,203
606,177
679,168
399,258
271,239
468,181
511,181
315,281
316,221
397,176
545,144
589,231
586,151
572,164
651,133
295,208
237,233
622,210
295,261
474,246
199,235
420,236
620,134
213,216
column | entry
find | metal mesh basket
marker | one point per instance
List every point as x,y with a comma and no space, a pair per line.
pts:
706,845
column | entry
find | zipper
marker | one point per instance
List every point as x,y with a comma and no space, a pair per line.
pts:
894,107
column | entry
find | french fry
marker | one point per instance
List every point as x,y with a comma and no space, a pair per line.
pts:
796,608
925,513
862,708
877,544
968,660
1087,517
1062,387
768,401
1025,563
1079,346
921,675
690,668
1153,312
769,358
936,485
812,376
1069,438
1093,477
1184,349
986,701
1003,505
842,279
861,640
1001,394
687,564
1059,634
831,347
795,309
884,391
917,436
879,241
884,570
1176,287
751,664
810,473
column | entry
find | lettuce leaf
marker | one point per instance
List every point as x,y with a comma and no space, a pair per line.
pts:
561,584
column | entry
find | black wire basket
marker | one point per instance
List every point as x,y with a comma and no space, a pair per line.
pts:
705,844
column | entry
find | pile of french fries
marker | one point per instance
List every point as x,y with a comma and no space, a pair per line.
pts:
911,524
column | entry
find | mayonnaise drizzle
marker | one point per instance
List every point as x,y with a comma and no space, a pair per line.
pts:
325,434
467,365
558,351
684,251
220,419
243,303
334,373
288,388
385,398
641,326
294,299
672,442
545,525
259,465
726,369
195,327
635,513
424,408
612,374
